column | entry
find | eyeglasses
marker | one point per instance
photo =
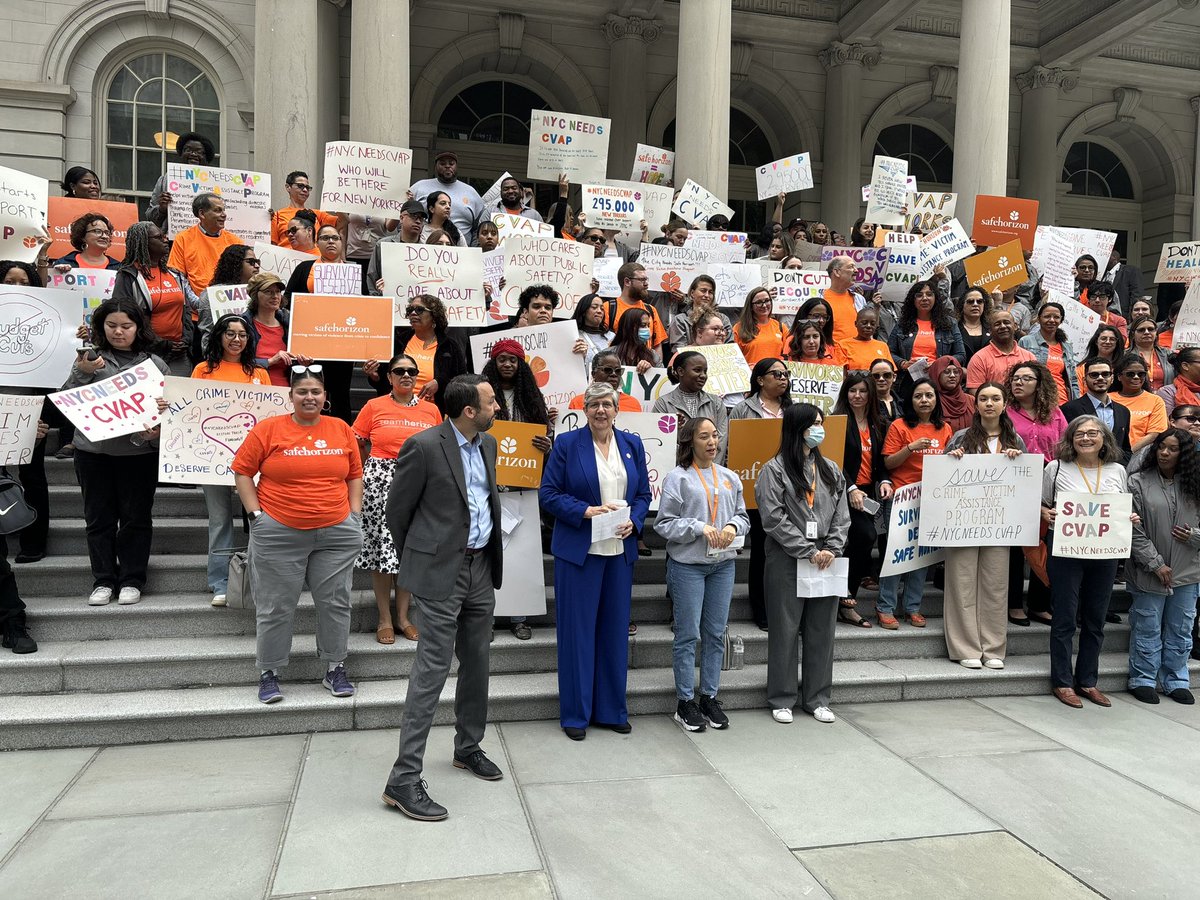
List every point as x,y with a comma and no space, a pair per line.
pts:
974,301
1085,267
301,187
330,237
1183,417
292,231
1088,434
414,311
607,370
776,373
643,278
1104,375
883,376
235,336
761,304
250,261
406,371
98,231
314,369
1024,379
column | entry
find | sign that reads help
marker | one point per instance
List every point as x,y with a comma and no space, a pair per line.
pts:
903,264
368,179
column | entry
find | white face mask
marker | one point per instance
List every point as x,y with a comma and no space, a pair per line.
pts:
814,435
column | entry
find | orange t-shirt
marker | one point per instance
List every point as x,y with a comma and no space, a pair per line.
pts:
227,371
770,341
166,305
387,424
1147,414
279,223
424,358
844,314
900,435
1054,362
81,263
864,467
658,334
195,254
925,343
858,355
304,469
625,403
1166,338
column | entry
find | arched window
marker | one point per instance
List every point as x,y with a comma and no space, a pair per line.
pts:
930,159
150,101
1095,171
748,145
493,111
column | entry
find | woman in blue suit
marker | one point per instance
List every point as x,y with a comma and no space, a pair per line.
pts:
591,471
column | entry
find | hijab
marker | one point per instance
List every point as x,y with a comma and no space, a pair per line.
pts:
957,406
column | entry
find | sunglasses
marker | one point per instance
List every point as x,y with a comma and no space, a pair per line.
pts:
1133,374
414,311
883,376
1186,418
301,187
775,373
314,369
596,238
250,261
406,371
292,231
608,370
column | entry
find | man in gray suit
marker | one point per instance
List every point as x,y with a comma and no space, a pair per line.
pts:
444,515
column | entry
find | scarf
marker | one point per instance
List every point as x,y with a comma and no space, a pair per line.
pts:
1187,393
956,403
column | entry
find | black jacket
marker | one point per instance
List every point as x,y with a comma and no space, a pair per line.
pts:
298,282
1083,406
852,459
448,362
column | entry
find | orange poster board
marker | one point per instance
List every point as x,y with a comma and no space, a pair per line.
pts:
518,462
998,269
999,220
752,442
341,328
62,211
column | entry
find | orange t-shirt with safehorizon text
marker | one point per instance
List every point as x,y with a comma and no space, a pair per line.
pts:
900,436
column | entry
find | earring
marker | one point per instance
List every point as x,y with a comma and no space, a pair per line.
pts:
327,407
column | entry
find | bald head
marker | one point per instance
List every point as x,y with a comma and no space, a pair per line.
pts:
841,271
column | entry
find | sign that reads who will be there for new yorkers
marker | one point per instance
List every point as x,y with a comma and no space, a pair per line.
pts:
368,179
568,144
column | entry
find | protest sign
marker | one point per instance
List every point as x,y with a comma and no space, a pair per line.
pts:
671,268
903,267
93,286
452,274
792,173
247,197
62,211
337,278
945,244
1187,323
568,144
981,500
656,206
794,288
23,200
815,383
734,282
206,423
604,271
888,199
807,252
926,211
537,259
910,185
493,269
697,205
997,269
905,553
18,428
1092,526
368,179
126,403
507,223
658,431
1083,241
341,328
612,207
752,443
492,197
518,462
718,246
550,352
37,335
1177,263
645,387
728,371
227,299
1056,253
1079,324
999,220
868,265
524,590
653,165
280,260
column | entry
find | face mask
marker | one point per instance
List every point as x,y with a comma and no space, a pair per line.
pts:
643,334
815,435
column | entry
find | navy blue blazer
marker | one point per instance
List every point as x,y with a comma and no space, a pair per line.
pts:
570,484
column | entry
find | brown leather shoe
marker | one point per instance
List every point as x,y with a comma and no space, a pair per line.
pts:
1067,696
1093,694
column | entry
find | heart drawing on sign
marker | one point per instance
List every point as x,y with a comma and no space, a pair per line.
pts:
228,432
223,406
206,452
192,416
175,441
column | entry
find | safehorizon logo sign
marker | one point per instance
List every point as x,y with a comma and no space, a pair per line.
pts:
1000,219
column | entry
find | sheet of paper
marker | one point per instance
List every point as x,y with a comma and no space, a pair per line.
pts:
830,582
605,525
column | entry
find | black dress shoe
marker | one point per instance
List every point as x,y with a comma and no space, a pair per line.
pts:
619,728
1144,693
30,557
412,800
575,734
479,765
521,631
17,638
1182,695
1024,623
1112,619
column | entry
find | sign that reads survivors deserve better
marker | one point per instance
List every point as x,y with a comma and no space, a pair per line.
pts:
367,179
247,197
981,500
350,329
568,144
565,266
815,383
452,274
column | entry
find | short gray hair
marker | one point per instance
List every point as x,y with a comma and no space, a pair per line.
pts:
601,390
837,261
203,203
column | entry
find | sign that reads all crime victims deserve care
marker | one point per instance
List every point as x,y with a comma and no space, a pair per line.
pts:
568,144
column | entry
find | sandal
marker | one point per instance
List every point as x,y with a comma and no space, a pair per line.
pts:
385,634
850,617
410,632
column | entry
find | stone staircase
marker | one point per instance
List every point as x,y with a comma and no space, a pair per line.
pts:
174,668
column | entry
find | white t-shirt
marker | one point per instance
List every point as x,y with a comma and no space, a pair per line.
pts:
466,206
1067,476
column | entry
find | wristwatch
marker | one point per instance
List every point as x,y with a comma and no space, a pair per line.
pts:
256,514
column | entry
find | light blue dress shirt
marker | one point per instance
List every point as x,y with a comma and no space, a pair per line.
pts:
478,490
1104,411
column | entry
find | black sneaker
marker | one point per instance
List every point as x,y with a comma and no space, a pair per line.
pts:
17,638
710,708
521,631
687,714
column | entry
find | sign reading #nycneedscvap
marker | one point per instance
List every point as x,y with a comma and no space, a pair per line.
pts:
368,179
247,197
568,144
124,404
1093,526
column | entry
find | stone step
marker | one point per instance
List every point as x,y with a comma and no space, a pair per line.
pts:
66,503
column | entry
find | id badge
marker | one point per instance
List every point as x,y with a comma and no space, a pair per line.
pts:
810,530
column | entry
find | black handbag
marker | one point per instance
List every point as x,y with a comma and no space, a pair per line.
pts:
15,511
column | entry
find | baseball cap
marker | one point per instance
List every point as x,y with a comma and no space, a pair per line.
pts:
414,208
262,280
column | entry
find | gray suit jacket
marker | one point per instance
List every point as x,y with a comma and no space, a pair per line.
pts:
427,512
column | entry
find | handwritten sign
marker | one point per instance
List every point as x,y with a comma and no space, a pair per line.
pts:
550,352
1187,323
18,428
604,271
337,278
452,274
1056,252
728,371
671,268
279,260
368,179
997,269
1092,526
945,244
926,211
524,590
1000,219
341,328
645,387
565,266
62,211
206,423
888,201
1079,324
124,404
518,462
37,335
735,281
93,286
227,299
903,267
23,200
492,197
792,173
247,197
815,383
869,263
1084,241
656,204
905,553
697,205
659,433
1177,263
910,185
507,224
568,144
616,208
653,165
795,287
981,500
718,246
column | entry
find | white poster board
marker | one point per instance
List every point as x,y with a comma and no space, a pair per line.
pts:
1057,254
1187,323
869,263
523,592
279,260
507,223
910,185
888,200
671,268
604,271
565,266
653,165
658,431
492,197
728,371
1079,324
718,246
981,500
903,268
795,287
339,279
945,244
735,281
792,173
23,202
549,350
904,552
368,179
814,383
19,416
113,407
645,387
1177,263
656,205
697,205
568,143
227,299
247,197
1084,241
928,210
612,207
1092,526
93,286
37,335
452,274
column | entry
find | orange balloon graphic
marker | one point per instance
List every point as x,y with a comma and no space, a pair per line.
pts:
670,281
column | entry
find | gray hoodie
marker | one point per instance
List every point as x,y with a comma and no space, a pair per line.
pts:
1153,544
684,511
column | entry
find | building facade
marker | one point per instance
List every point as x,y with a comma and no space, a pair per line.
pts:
1089,106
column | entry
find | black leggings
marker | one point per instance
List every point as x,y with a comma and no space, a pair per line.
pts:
859,542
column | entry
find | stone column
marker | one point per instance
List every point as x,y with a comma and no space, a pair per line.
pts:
1037,162
379,88
702,95
296,92
981,126
628,37
841,178
1195,101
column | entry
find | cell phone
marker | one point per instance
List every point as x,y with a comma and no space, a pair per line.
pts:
870,507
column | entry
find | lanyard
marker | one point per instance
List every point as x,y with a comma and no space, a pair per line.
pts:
811,493
1088,484
713,497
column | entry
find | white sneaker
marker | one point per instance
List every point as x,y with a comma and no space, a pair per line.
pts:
783,716
970,664
100,596
824,714
994,663
129,595
218,600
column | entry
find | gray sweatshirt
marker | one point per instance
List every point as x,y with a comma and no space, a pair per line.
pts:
684,510
785,515
1162,506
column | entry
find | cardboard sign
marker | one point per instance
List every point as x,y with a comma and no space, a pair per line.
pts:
645,387
888,201
368,179
93,286
697,205
981,500
671,268
998,269
565,266
524,590
1187,323
910,185
1083,241
905,552
718,246
279,260
815,383
999,220
341,279
659,433
1079,324
795,287
604,272
341,328
518,462
753,442
656,205
18,428
492,197
126,403
735,281
1055,251
62,211
549,350
227,299
945,244
568,144
926,211
903,268
206,423
653,165
1177,263
507,223
611,207
23,200
1092,526
37,335
792,173
247,197
452,274
728,371
869,263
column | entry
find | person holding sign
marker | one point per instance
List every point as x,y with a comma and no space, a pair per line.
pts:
331,249
439,357
118,476
236,265
194,252
91,236
1049,346
701,514
976,596
1185,389
1163,571
145,278
757,334
270,323
1080,588
925,329
191,149
802,500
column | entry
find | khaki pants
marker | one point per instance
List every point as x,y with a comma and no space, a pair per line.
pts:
976,602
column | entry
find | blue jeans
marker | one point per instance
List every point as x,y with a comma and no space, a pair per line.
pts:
1161,638
701,593
218,499
910,595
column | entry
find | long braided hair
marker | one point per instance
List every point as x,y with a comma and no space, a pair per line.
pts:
137,246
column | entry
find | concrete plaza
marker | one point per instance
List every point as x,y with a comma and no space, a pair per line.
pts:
1015,797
